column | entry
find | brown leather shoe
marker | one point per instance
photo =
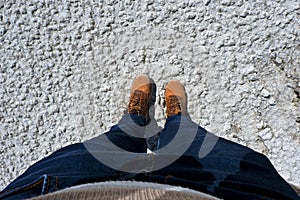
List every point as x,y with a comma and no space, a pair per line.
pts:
175,99
139,96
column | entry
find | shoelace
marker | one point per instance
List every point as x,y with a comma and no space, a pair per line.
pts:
174,105
137,103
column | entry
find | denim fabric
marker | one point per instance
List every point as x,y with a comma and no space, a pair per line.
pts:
210,164
74,165
227,170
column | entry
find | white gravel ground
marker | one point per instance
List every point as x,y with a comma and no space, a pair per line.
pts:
66,68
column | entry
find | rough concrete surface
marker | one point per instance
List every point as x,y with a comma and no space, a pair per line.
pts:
66,68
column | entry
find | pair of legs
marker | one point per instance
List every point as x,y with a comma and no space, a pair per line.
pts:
186,155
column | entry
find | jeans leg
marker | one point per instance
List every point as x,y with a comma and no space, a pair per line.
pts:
128,134
179,125
123,147
138,129
180,140
218,166
77,164
69,166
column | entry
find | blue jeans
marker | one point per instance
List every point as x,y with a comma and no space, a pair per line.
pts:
199,160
